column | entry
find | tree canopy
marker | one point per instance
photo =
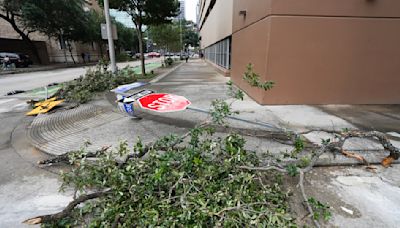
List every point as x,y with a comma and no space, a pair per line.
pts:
146,12
127,38
65,20
166,36
10,11
56,17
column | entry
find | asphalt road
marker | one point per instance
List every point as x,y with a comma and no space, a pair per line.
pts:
28,190
32,80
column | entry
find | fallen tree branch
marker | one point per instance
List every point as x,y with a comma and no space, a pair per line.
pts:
356,156
67,211
305,198
152,145
238,207
64,158
267,168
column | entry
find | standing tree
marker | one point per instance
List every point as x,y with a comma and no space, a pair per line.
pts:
127,38
10,11
166,36
190,35
147,12
190,38
64,19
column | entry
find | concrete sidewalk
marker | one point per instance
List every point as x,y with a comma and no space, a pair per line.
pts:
101,123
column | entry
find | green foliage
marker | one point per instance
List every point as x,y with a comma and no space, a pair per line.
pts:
127,38
123,57
82,89
325,141
299,144
219,111
90,30
194,186
321,210
304,162
254,79
168,61
233,92
166,36
191,37
292,170
147,12
56,18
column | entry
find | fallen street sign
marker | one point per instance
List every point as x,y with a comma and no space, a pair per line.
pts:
127,103
141,94
127,108
133,97
163,102
124,88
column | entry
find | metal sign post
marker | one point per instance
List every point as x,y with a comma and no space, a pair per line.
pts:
110,38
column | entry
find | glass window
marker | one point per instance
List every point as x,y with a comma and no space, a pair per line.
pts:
219,53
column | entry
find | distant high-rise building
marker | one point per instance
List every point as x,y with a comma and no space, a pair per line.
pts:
181,15
198,14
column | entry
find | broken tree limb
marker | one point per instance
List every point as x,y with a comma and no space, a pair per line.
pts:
305,198
267,168
152,145
67,211
382,139
356,156
64,158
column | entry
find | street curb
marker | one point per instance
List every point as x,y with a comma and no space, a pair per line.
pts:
57,133
158,78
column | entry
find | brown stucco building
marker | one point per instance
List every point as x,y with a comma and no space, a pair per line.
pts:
50,49
317,52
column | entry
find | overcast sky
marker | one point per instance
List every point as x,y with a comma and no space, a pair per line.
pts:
190,10
190,14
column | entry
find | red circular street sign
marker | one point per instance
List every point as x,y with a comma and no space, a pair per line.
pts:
163,102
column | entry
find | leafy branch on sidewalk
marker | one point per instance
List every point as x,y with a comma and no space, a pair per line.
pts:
253,79
82,89
200,178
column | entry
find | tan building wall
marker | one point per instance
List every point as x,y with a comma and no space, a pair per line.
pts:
218,24
318,52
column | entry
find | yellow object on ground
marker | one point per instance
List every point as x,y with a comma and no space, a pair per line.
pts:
45,102
44,106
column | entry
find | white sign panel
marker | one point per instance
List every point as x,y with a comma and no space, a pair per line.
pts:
104,32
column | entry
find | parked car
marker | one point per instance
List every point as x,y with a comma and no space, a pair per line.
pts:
153,54
19,59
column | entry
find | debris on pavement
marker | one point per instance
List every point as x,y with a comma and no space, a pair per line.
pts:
44,106
15,92
347,210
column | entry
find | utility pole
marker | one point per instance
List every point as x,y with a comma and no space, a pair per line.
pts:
180,28
110,37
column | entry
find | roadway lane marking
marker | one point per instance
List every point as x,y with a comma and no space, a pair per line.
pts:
3,101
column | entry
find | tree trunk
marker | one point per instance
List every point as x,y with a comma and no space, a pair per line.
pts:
24,36
63,47
100,44
140,37
70,51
